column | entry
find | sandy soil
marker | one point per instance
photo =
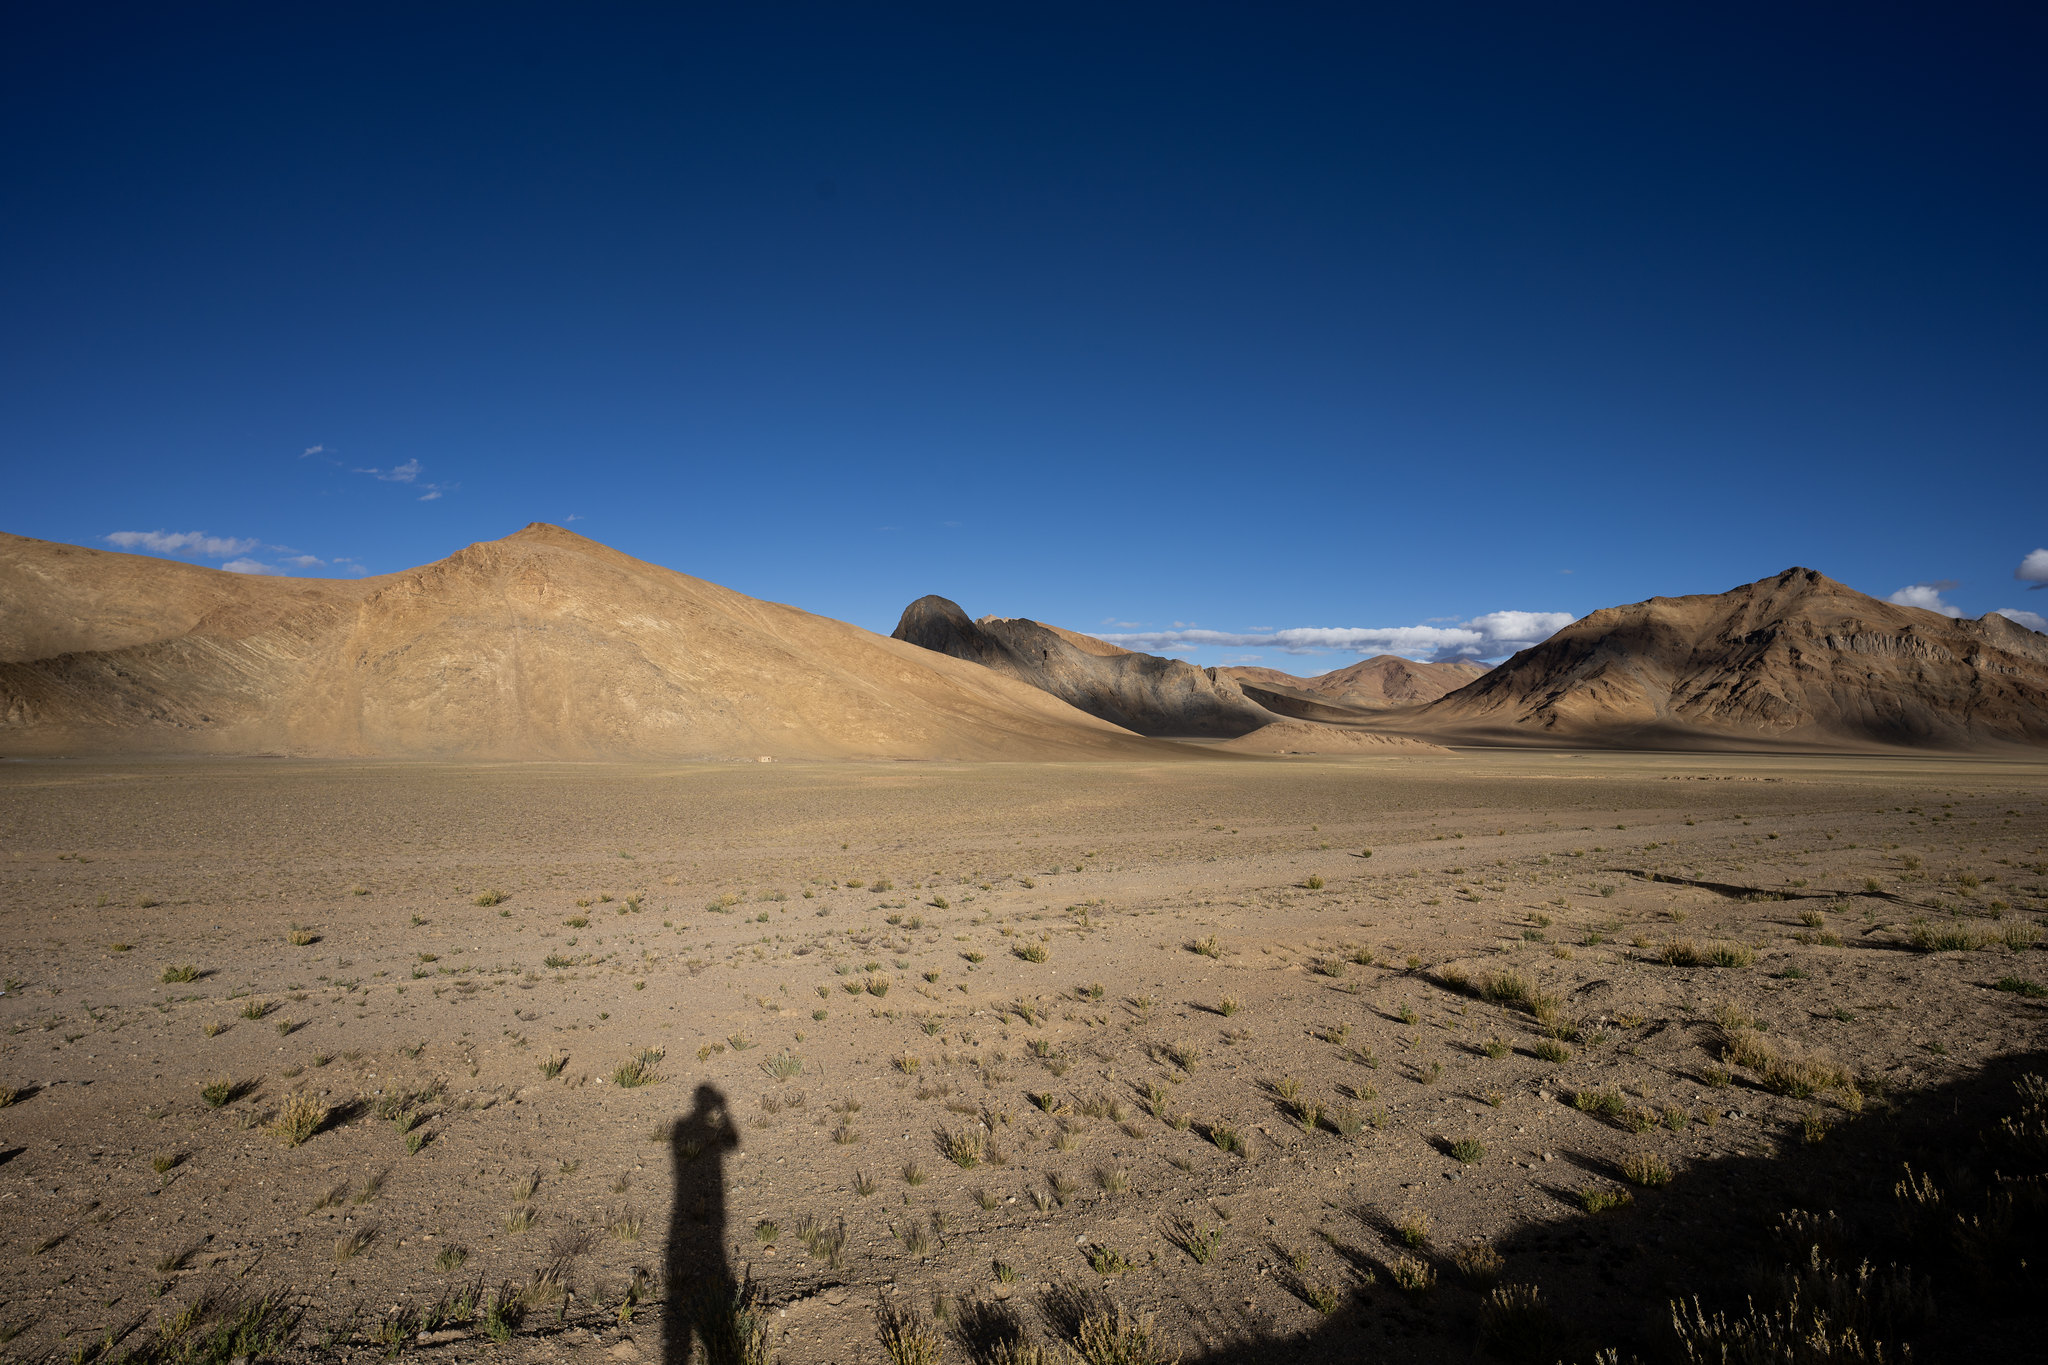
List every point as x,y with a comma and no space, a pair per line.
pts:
876,926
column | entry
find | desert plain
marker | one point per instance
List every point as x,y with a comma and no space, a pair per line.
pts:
1403,1057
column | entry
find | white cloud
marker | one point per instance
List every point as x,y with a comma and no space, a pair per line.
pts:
409,472
1491,636
251,566
2032,620
1927,596
182,542
306,562
312,450
2033,569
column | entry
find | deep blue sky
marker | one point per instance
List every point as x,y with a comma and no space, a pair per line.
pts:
1246,317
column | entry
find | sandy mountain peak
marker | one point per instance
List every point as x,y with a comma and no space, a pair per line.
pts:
1794,659
541,644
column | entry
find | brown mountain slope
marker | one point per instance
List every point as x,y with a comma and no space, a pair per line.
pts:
1798,659
1140,692
543,644
1380,683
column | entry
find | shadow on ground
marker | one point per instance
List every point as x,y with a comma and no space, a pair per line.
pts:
1917,1230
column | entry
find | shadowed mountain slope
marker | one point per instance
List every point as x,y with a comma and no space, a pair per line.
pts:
1797,659
540,645
1140,692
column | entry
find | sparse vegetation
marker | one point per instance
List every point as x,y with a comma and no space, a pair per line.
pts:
300,1117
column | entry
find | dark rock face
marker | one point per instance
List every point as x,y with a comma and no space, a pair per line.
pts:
1163,698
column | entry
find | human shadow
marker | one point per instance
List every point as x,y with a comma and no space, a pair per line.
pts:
701,1298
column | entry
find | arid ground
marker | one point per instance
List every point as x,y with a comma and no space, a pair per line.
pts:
474,1060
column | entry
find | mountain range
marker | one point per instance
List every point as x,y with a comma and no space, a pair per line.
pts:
548,645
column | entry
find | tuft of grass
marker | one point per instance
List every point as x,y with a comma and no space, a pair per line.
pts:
1200,1242
488,898
907,1335
1954,939
1107,1260
1207,946
1646,1169
354,1242
178,975
1599,1198
552,1067
1550,1050
1604,1104
1507,988
1478,1263
964,1148
1467,1150
1413,1274
1034,951
2019,985
1517,1324
638,1070
1114,1336
299,1118
1730,954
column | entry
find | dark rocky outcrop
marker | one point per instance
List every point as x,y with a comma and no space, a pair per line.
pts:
1164,698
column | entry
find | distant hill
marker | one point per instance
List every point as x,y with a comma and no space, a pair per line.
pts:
540,645
1140,692
1380,683
1797,659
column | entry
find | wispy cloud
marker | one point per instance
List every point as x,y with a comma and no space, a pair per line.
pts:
2033,570
409,472
1927,596
1491,636
2032,620
234,551
312,450
182,542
